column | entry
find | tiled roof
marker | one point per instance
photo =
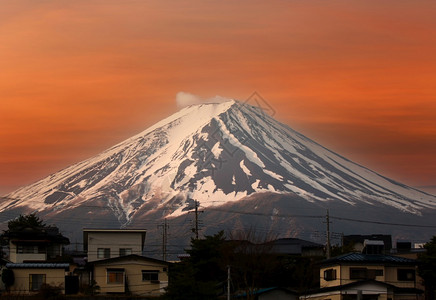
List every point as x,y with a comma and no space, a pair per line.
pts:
131,257
37,265
369,258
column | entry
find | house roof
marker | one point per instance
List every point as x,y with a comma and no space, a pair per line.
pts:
296,241
369,258
266,290
109,230
292,246
395,289
38,265
131,257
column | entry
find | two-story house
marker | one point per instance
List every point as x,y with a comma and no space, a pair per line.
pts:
35,258
35,244
367,277
118,266
109,243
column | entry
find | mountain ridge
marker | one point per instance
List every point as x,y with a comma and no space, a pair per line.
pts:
218,154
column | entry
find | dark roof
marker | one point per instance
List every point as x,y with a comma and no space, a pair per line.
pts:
266,290
127,258
295,241
397,290
293,246
38,265
369,258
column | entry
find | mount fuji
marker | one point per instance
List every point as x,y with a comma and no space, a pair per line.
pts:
239,164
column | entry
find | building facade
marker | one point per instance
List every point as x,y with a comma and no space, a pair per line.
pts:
110,243
367,276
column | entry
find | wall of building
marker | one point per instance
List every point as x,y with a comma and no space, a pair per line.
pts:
114,241
328,283
346,273
133,271
54,277
390,275
20,257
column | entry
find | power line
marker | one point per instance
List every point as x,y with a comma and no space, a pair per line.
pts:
382,223
320,217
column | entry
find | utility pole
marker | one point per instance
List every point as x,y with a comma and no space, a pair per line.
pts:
164,239
195,229
228,282
328,234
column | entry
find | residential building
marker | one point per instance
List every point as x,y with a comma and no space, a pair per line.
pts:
30,277
358,242
130,274
35,244
110,243
407,249
35,258
368,277
295,246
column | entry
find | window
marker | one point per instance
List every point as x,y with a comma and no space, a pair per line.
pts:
330,274
358,273
103,253
36,281
115,276
150,275
125,251
406,275
377,272
364,273
31,249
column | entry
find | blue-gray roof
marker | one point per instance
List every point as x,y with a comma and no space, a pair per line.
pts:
37,265
369,258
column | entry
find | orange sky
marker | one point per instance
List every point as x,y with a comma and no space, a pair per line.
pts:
77,77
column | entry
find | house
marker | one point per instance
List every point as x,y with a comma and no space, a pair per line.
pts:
130,274
35,258
117,266
35,243
365,290
110,243
368,277
407,249
29,277
295,246
358,242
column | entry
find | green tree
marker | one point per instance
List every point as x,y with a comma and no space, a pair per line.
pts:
427,268
253,265
23,221
201,275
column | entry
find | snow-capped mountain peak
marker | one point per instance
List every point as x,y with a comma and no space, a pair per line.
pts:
215,153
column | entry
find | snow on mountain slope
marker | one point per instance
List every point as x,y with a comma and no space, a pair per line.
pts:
215,153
